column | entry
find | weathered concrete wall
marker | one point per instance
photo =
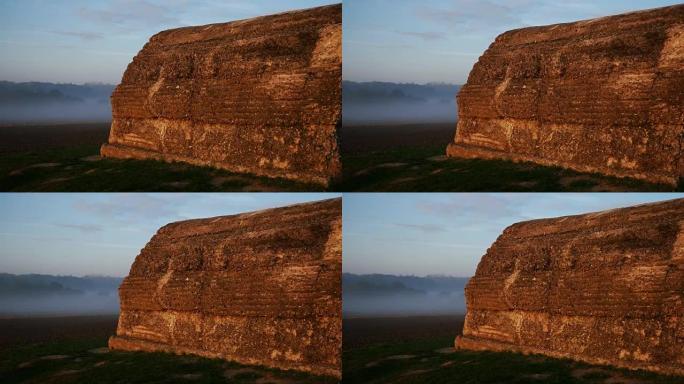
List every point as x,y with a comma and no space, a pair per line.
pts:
603,95
260,96
605,288
257,288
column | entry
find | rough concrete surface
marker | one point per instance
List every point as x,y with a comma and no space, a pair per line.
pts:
259,96
604,288
258,288
603,95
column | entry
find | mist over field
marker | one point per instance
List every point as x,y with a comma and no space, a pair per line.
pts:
383,103
47,295
27,103
363,103
390,295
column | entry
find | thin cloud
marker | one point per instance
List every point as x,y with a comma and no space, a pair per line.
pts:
87,36
85,228
133,15
136,207
31,236
80,241
481,13
130,12
484,205
426,228
426,36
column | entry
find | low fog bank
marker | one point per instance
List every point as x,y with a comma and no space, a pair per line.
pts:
389,295
394,103
47,295
27,103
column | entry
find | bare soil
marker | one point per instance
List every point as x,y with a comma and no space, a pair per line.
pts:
18,331
40,137
359,332
366,138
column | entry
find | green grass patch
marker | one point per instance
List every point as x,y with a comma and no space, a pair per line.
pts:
81,169
425,361
420,169
83,361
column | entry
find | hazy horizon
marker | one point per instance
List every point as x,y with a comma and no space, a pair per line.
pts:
46,295
440,40
364,103
436,275
389,295
384,103
115,84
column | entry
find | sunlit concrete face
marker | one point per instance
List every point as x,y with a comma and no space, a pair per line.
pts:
601,95
258,288
604,288
258,96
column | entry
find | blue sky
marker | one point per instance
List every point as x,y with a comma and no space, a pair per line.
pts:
440,40
386,40
94,40
435,233
85,234
397,233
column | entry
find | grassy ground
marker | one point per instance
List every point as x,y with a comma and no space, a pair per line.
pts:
80,168
428,360
426,169
403,158
89,361
410,158
66,158
431,360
